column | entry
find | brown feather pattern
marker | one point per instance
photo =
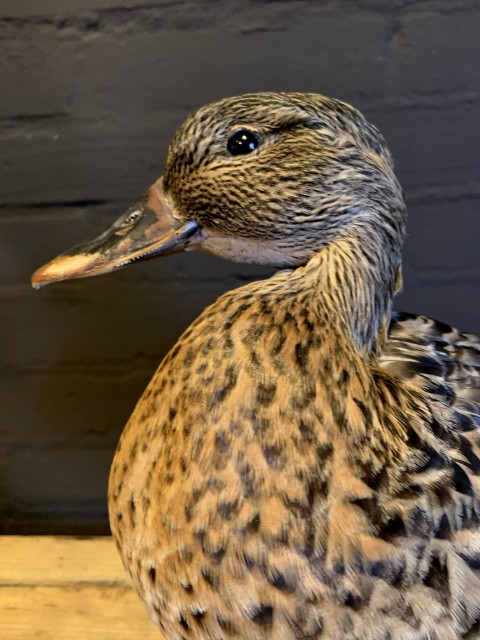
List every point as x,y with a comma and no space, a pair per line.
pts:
303,465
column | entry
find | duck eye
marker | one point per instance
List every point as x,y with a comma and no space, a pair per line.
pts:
242,142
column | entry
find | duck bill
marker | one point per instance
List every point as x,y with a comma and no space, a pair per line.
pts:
147,230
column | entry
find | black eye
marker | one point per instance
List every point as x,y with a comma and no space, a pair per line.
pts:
242,142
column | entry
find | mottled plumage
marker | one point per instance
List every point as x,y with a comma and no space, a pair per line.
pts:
302,465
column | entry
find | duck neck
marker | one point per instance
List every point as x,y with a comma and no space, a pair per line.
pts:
357,275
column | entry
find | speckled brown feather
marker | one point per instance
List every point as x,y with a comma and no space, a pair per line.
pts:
291,472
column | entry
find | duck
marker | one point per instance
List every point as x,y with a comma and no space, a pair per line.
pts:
305,462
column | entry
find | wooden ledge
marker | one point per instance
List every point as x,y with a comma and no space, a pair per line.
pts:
61,588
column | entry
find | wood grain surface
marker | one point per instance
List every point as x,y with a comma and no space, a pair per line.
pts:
66,589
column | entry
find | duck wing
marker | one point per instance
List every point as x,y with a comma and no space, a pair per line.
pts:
445,363
439,358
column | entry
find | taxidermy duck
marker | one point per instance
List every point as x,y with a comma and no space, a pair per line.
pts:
302,465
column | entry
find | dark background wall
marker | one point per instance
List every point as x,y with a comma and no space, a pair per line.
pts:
92,91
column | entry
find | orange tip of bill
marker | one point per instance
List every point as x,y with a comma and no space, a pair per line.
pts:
60,268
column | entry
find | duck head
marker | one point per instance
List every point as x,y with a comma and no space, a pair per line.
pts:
267,178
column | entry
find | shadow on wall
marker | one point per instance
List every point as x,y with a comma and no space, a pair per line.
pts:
76,404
